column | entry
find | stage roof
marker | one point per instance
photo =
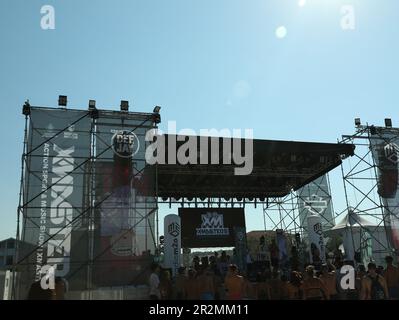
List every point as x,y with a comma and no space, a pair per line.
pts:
278,167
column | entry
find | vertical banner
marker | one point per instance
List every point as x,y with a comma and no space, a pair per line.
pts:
384,143
124,236
348,243
315,199
366,247
316,240
240,237
172,253
54,231
282,247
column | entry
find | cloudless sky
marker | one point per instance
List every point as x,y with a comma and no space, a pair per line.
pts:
208,63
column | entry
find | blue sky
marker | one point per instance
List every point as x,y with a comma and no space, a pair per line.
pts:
209,64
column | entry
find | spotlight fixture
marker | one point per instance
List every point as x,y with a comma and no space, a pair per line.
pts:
373,130
357,122
156,117
92,109
62,101
388,123
124,105
26,108
92,104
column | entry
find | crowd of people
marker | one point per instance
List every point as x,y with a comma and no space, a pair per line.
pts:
216,278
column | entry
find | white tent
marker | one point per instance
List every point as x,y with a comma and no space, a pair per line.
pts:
352,220
353,229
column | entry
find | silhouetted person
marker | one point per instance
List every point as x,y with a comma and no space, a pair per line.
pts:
234,284
313,287
155,293
391,276
374,286
274,254
165,285
36,292
60,289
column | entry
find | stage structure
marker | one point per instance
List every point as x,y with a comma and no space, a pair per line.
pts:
371,216
285,173
371,190
89,199
290,212
86,205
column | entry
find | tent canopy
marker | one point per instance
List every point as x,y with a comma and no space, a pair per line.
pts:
353,220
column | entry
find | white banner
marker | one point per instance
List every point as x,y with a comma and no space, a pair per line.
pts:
316,240
348,243
315,198
172,246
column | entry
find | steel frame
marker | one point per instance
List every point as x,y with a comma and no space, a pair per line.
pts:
87,211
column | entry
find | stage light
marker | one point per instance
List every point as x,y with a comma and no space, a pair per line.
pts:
92,104
26,108
62,101
358,123
124,105
156,117
373,130
388,123
92,109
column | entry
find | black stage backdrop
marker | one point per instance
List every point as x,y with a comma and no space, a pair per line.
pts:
210,227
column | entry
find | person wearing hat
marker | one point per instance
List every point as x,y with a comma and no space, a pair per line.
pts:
180,281
313,287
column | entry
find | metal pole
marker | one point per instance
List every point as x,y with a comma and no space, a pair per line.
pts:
347,205
21,190
91,213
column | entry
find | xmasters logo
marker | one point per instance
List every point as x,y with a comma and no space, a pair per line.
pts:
174,229
212,225
55,222
318,229
391,151
125,143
